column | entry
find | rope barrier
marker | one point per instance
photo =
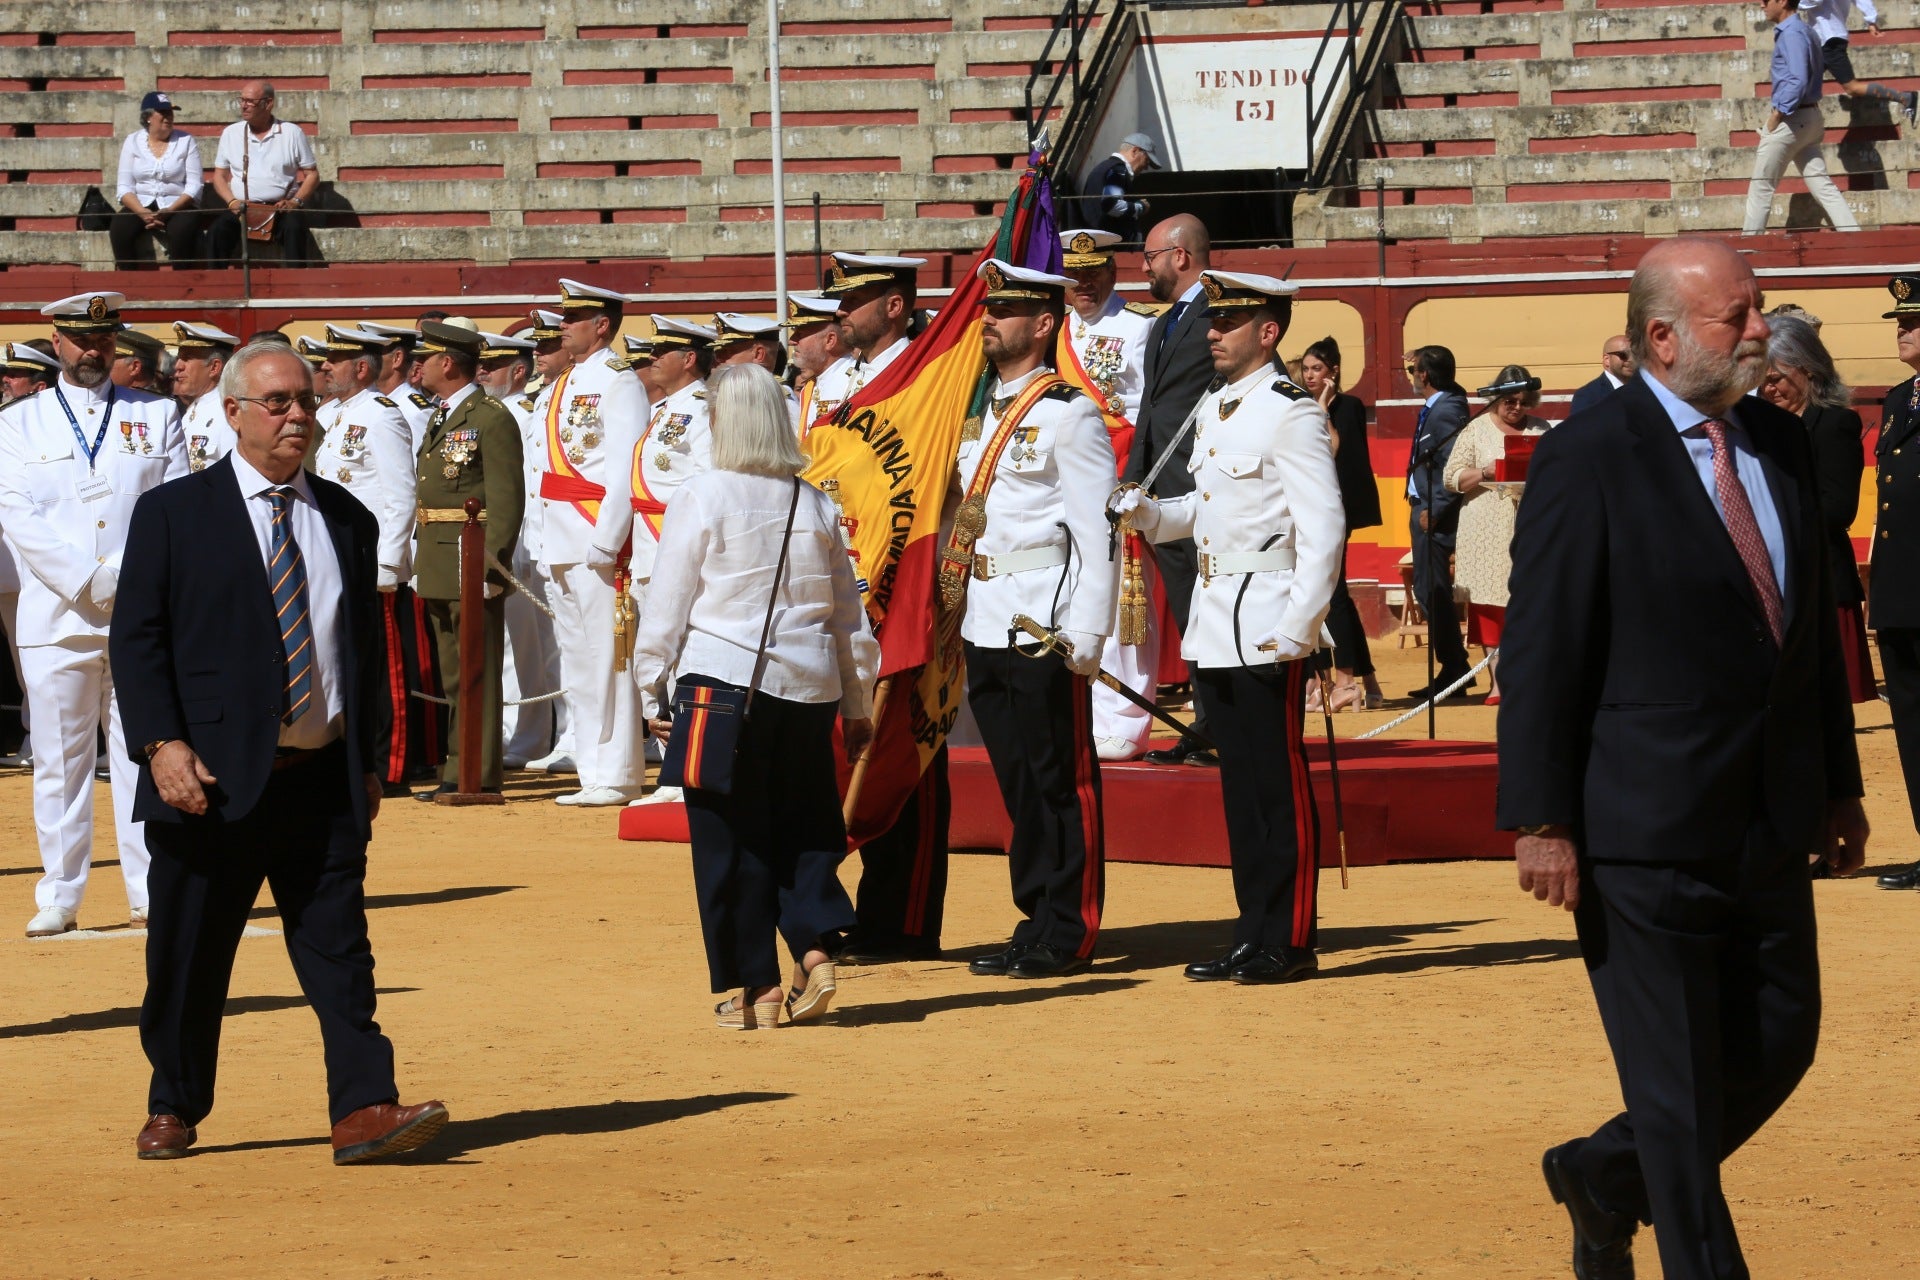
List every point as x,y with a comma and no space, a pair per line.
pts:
538,603
1397,721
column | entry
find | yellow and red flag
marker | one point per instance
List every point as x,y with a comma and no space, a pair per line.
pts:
887,456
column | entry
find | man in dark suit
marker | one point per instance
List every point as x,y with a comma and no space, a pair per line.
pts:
1436,511
1675,740
1179,372
1894,597
246,653
1107,203
472,449
1616,366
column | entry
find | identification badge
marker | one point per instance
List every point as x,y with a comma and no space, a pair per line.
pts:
94,486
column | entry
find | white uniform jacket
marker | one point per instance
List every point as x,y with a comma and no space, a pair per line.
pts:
204,426
839,380
1113,351
603,410
368,448
676,445
1263,481
417,408
1050,491
530,413
63,519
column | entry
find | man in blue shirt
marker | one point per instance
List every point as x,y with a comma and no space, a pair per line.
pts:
1793,131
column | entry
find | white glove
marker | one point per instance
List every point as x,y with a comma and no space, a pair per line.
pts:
488,590
1134,504
1086,651
599,557
389,578
103,585
1283,648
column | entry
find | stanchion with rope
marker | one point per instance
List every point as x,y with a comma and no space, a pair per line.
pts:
473,662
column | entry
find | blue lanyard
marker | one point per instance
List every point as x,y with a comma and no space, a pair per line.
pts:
106,416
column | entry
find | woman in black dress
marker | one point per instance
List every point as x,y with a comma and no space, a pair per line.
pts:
1355,687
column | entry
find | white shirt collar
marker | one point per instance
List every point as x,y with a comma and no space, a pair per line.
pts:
84,395
1435,396
452,402
253,484
1193,291
1010,388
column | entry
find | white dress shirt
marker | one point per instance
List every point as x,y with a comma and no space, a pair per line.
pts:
708,601
264,169
159,180
325,715
1828,18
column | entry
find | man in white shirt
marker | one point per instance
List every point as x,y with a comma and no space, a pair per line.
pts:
539,668
876,293
1030,531
1828,18
815,344
262,161
203,351
398,368
745,339
25,370
73,460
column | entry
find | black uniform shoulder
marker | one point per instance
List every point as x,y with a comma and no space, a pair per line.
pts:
1066,392
383,401
1290,389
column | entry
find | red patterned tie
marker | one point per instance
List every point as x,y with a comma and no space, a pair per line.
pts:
1743,528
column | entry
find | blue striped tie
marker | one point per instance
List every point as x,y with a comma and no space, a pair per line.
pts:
288,573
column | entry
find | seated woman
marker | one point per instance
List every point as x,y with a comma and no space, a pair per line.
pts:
766,853
158,188
1481,557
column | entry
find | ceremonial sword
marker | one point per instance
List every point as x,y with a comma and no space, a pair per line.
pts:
1052,643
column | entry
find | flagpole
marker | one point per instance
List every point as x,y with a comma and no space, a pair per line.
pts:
779,164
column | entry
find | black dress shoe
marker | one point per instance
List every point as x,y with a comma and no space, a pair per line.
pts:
426,797
1602,1239
1278,964
1177,753
1220,969
996,964
1908,879
395,790
1201,758
1043,960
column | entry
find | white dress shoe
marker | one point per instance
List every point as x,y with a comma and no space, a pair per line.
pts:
1115,748
553,762
592,796
661,795
137,918
51,922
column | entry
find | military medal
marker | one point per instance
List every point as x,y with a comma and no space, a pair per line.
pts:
1227,407
196,453
590,438
126,437
344,475
663,461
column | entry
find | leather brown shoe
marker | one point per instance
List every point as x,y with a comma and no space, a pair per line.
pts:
386,1129
163,1137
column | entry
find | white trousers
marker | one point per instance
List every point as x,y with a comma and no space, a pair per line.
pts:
10,618
1134,665
70,692
1796,140
602,711
531,667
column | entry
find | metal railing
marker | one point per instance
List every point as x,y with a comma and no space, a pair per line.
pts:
1349,19
1077,65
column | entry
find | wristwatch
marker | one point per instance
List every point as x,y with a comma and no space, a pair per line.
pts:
152,747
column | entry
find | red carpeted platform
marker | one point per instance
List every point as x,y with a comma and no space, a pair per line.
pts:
1406,801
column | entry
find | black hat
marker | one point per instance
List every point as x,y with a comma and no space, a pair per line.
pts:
1906,296
1498,389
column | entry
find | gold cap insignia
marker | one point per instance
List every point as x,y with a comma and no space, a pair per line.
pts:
1902,288
996,278
96,308
1215,290
1082,243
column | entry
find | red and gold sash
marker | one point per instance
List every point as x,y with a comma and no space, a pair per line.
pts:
805,394
970,521
1119,429
560,481
645,505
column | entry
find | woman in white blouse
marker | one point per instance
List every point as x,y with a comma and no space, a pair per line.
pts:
158,188
766,856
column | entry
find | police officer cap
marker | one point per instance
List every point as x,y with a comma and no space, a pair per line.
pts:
436,338
189,335
1239,291
1087,247
312,350
1008,283
22,358
857,270
670,332
87,312
1906,296
804,310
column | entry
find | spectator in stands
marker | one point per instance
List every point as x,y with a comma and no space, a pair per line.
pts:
1793,131
1354,685
1481,559
267,164
158,188
27,368
1616,366
1436,510
1107,203
1801,379
1828,18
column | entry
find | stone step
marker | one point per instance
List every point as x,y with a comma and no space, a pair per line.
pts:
1702,164
1625,217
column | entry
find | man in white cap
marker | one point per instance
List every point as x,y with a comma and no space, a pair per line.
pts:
398,368
1104,343
876,293
1030,538
27,369
202,353
1266,514
1107,203
816,344
592,421
73,460
744,339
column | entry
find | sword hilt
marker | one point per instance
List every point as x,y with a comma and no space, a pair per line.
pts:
1052,642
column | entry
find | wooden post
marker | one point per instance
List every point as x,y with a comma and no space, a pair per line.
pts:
473,660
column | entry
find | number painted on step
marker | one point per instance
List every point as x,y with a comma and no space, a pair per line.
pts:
1254,111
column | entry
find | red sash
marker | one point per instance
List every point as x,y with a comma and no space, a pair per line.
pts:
570,488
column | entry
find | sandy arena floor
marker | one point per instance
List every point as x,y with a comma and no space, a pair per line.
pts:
546,981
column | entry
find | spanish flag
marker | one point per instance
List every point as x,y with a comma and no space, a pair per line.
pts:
887,456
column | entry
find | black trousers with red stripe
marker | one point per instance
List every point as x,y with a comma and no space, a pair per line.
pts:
1036,719
903,871
417,735
1255,716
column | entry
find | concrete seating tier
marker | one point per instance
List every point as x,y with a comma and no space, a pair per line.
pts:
501,139
1513,118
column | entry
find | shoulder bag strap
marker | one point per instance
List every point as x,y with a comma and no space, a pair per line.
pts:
773,597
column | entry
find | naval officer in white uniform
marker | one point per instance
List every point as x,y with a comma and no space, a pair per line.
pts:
73,461
201,356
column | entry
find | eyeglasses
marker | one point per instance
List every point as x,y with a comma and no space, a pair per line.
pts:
279,404
1615,355
1149,255
251,102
